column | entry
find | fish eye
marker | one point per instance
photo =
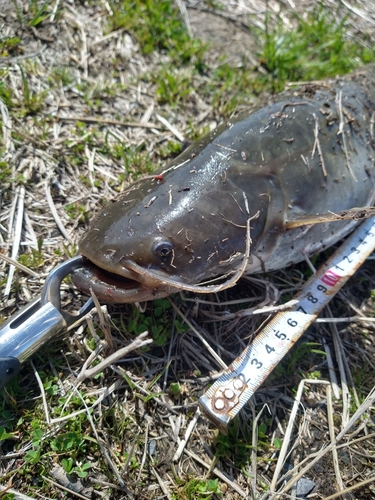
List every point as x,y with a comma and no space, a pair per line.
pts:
163,250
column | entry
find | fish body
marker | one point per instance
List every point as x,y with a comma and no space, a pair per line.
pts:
310,151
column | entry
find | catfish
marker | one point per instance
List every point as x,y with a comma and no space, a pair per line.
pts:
263,191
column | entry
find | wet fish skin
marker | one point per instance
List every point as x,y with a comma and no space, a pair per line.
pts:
310,151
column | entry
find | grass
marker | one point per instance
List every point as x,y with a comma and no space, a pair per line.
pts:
157,26
34,259
9,45
317,48
140,59
198,489
33,12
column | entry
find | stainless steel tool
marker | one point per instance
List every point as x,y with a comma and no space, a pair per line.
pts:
32,326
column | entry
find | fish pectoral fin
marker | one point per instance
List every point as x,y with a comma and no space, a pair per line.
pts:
350,214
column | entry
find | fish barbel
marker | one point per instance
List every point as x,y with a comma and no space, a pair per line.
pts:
245,198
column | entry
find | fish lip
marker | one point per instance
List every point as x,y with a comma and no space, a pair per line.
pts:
147,276
127,287
128,269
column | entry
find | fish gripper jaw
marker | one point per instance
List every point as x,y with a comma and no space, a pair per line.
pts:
33,325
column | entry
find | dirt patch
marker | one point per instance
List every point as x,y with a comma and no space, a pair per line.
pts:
225,36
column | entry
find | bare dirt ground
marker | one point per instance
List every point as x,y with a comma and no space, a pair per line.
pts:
62,165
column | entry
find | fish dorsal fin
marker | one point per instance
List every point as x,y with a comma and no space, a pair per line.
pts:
350,214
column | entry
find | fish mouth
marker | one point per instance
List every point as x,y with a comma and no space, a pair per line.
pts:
130,284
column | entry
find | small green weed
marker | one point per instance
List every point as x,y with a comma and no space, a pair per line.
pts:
50,387
236,445
70,442
199,489
135,158
61,76
39,13
157,25
77,211
299,362
232,86
264,436
317,48
300,353
5,435
157,321
172,148
9,46
94,93
173,85
6,93
175,389
32,457
19,12
133,465
35,258
5,170
79,469
277,443
32,102
35,13
362,376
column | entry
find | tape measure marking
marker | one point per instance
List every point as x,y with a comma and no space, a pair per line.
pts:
225,398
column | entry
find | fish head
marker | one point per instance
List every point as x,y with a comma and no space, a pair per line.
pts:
160,236
156,238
